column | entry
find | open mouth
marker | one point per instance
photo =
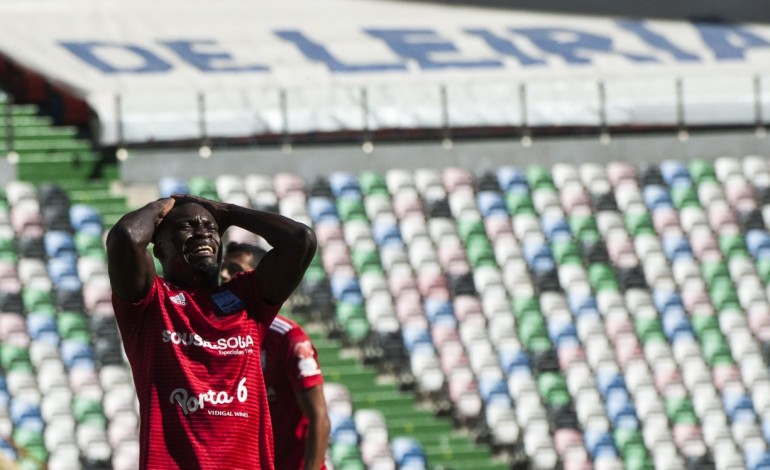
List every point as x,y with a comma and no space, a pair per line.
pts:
200,251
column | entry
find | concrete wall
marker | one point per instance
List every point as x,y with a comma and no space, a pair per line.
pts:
147,166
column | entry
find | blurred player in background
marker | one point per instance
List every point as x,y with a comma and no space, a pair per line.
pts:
293,379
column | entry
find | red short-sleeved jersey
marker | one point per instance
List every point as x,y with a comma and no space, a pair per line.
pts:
195,358
290,364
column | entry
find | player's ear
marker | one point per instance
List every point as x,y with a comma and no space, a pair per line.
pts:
157,250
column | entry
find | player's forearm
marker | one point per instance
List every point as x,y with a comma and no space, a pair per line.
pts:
277,230
137,228
315,445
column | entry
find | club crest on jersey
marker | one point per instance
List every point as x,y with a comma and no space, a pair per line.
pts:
227,302
179,299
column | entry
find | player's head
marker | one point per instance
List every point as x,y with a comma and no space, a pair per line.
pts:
240,257
188,245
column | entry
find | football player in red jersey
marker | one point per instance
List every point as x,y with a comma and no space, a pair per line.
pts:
193,345
293,380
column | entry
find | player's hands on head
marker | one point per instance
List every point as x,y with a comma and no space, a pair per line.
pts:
167,204
216,208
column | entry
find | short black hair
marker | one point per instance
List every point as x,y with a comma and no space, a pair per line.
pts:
256,252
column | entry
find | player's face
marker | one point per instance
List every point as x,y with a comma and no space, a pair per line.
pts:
235,263
189,242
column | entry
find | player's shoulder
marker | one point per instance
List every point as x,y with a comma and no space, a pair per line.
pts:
284,326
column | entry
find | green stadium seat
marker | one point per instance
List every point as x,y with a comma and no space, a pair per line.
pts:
38,300
88,410
365,260
733,246
638,223
469,227
372,183
680,410
73,325
702,170
539,177
203,187
649,329
553,388
14,358
566,252
519,203
350,208
601,276
684,196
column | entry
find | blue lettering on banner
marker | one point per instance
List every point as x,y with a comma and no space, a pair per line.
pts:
657,41
729,42
87,52
568,43
505,47
201,55
426,48
319,53
420,45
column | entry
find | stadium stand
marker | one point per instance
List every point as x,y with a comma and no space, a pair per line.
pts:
573,316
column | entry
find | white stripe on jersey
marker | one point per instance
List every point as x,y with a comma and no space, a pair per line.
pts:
281,326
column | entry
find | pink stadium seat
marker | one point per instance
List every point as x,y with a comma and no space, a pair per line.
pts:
13,328
665,219
569,356
627,348
432,284
620,172
721,218
335,255
287,183
695,299
573,196
327,232
725,373
455,178
466,306
740,194
563,439
704,244
497,226
96,293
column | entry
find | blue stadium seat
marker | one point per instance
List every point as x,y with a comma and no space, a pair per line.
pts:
513,359
757,459
59,243
491,203
607,381
62,266
512,179
676,324
346,289
415,335
562,333
493,390
556,228
86,218
675,173
758,243
321,208
676,247
344,184
342,429
26,414
76,353
738,407
42,328
599,442
407,452
656,197
169,185
538,256
7,449
665,300
386,233
435,308
581,303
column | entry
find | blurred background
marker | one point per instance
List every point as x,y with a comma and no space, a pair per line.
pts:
543,226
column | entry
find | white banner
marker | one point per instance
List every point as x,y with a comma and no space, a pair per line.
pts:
236,67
